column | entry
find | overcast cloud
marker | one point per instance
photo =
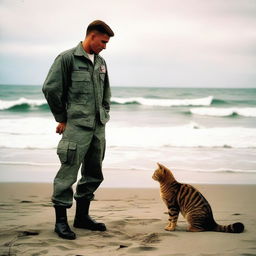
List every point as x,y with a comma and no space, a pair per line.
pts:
192,43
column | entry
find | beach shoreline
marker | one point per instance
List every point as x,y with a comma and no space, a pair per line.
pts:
135,218
133,167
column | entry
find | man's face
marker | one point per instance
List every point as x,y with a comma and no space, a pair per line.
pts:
98,42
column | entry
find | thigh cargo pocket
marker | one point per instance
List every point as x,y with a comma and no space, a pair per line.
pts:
67,151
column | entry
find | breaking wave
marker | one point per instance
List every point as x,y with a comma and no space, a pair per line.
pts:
224,112
163,102
24,104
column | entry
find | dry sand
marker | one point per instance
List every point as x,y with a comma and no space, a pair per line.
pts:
135,219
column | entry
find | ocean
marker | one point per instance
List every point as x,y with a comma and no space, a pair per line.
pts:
203,135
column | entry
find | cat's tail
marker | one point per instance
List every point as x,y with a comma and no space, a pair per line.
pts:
237,227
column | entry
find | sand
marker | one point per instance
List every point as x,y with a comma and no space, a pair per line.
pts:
135,219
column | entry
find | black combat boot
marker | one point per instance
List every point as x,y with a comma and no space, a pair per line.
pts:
82,218
61,226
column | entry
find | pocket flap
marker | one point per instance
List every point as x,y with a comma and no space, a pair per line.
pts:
72,145
63,145
80,76
62,150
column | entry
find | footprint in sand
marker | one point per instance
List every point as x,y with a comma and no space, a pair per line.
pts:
151,238
28,233
142,249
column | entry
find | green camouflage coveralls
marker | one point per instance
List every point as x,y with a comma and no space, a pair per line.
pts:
78,93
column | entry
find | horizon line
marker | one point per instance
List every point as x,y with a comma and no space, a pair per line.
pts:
152,86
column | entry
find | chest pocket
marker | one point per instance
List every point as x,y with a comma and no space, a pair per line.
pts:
80,82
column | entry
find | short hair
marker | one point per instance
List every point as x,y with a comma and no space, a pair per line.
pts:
99,26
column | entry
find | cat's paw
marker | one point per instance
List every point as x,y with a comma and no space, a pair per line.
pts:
169,228
193,229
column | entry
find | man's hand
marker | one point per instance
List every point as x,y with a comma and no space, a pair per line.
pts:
61,128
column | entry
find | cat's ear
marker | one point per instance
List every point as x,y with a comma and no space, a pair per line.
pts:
160,165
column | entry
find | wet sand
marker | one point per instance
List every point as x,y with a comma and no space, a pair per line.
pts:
135,219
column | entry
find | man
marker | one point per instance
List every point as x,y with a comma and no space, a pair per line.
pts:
78,93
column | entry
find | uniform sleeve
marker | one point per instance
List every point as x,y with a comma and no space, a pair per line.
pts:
55,89
107,93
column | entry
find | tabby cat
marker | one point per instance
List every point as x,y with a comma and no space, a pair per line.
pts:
190,202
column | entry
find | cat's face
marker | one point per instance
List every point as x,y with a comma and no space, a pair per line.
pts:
161,173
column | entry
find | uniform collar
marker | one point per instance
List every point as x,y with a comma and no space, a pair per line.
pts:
79,51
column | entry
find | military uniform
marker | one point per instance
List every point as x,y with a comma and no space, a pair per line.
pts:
78,93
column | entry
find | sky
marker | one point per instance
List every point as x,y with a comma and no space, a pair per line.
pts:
160,43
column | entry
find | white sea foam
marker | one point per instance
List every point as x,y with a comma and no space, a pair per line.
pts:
182,136
137,168
247,112
33,132
40,133
27,126
218,170
164,102
6,104
27,163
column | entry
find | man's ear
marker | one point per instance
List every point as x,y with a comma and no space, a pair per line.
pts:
92,36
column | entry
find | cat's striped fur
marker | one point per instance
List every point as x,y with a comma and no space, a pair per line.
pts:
187,200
